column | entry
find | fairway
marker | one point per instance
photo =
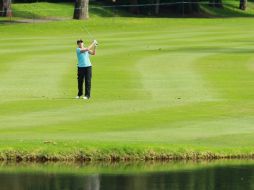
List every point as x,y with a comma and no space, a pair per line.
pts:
160,86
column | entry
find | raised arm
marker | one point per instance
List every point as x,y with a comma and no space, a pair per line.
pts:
82,50
92,48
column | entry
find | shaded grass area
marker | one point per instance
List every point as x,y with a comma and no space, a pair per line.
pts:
230,9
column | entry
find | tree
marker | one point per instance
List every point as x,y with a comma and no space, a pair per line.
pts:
5,8
1,7
81,9
243,4
157,7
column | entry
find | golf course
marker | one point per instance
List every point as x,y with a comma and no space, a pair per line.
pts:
162,88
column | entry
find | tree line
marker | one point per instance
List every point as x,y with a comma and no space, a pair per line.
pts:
189,7
81,10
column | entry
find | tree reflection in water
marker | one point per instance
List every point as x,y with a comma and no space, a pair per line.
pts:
217,178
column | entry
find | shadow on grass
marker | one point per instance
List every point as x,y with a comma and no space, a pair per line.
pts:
8,22
228,11
26,14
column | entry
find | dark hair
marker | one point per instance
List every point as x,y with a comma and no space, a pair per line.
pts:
79,41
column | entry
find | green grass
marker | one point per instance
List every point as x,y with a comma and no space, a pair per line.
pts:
42,10
46,10
162,89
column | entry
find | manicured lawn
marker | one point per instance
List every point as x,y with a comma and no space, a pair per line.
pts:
160,87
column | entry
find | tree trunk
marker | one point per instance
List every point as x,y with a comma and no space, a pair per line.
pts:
135,9
1,7
81,9
243,4
157,7
5,8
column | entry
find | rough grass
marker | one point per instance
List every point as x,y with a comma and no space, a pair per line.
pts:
162,89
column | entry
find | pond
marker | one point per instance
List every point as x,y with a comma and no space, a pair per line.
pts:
219,175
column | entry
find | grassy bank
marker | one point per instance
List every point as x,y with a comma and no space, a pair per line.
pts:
83,152
162,89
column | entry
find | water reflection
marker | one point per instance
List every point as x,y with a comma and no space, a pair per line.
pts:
233,177
48,182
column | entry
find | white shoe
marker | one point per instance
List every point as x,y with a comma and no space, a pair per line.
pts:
77,97
85,98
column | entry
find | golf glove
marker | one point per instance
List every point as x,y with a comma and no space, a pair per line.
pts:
95,43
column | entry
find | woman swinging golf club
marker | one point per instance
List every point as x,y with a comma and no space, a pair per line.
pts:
84,68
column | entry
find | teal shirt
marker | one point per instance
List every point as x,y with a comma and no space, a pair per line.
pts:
83,58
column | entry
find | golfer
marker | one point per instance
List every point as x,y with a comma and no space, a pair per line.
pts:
84,68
